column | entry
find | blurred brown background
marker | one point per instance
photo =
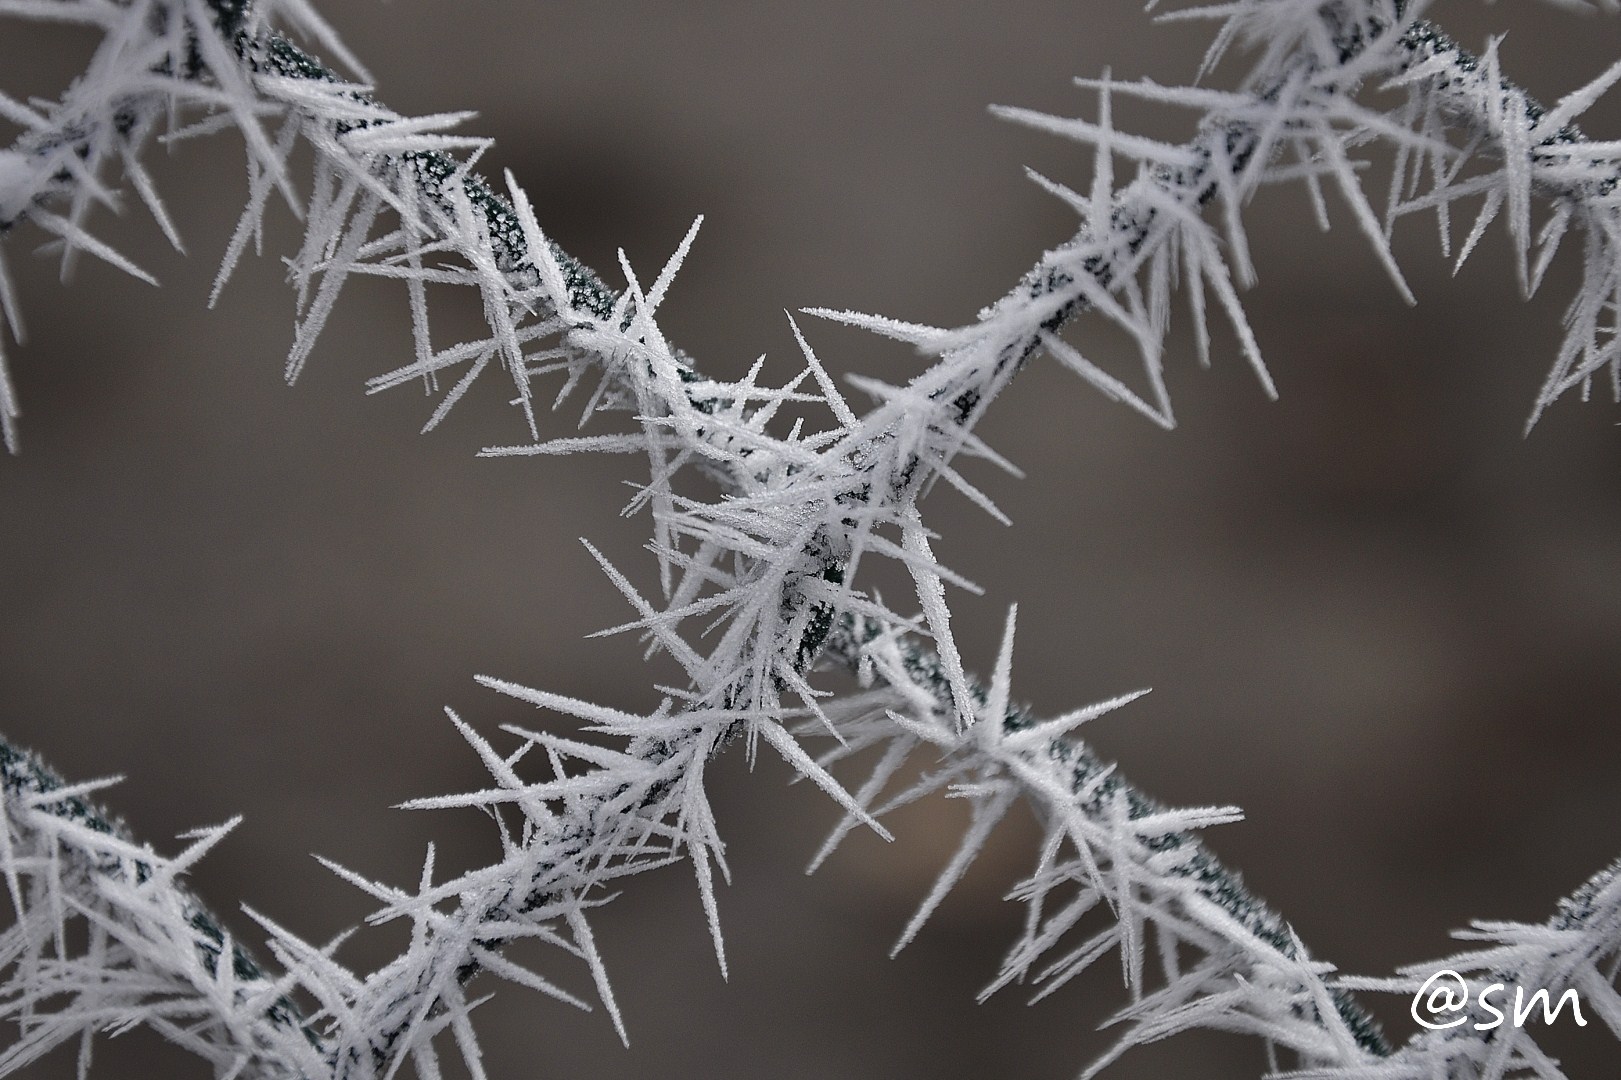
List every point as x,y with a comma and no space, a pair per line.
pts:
1374,615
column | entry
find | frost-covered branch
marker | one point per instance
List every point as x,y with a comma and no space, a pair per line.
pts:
1172,906
106,936
1296,117
765,554
1577,949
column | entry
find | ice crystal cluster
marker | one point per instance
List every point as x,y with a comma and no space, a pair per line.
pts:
760,557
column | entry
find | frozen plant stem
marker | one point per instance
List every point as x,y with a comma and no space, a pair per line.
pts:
768,567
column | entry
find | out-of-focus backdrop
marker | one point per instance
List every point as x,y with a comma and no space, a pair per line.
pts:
1373,614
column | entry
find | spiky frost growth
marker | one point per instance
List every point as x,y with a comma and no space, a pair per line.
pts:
1462,130
107,937
1578,948
768,568
1177,918
157,59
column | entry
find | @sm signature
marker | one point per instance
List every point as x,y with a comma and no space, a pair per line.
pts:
1443,1002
